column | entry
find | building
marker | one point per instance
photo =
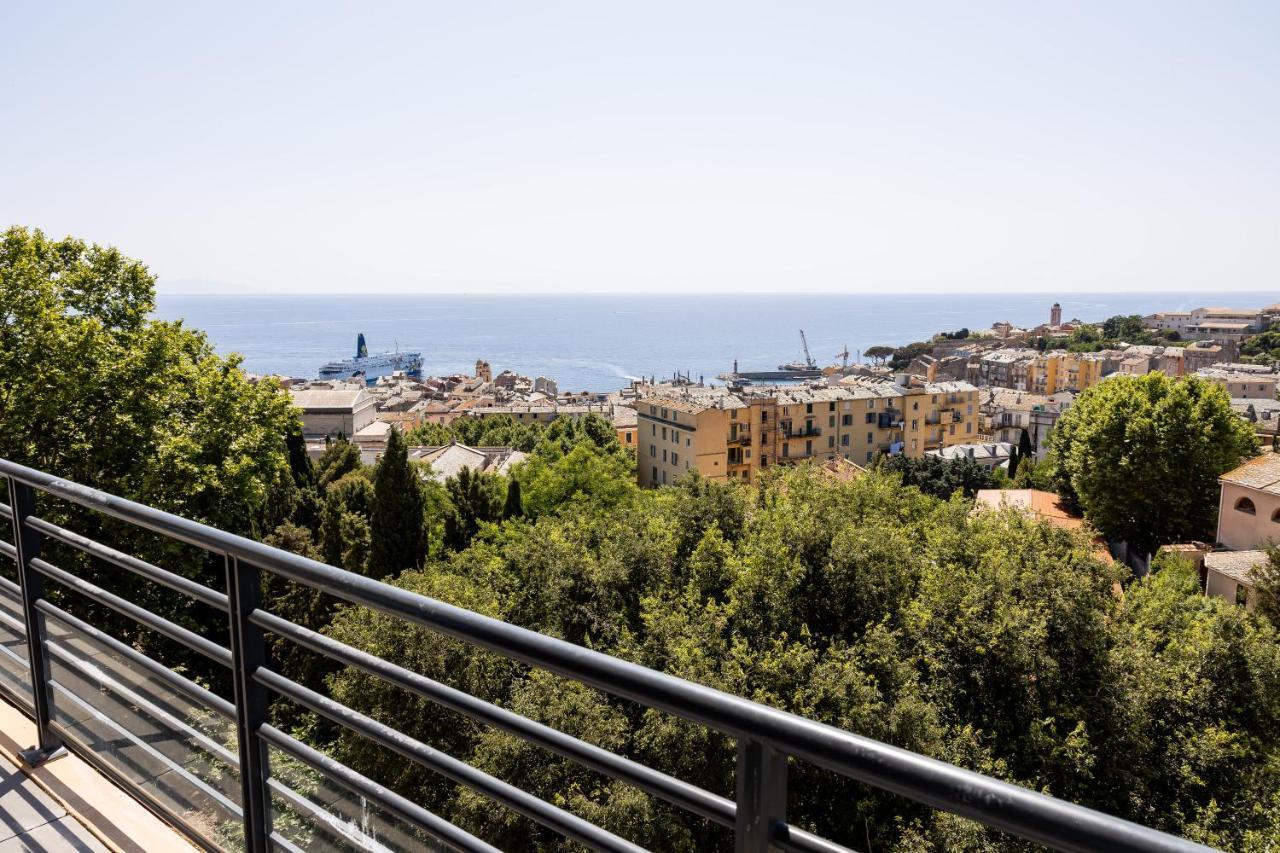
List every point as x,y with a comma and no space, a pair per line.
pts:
1040,373
1262,414
1230,575
1006,413
1242,382
449,460
1249,504
991,454
1209,323
732,433
331,409
1045,506
1055,315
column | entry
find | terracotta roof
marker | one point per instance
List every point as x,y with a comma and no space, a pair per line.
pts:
1261,473
1237,565
1045,506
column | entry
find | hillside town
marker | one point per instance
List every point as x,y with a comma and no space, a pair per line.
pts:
987,396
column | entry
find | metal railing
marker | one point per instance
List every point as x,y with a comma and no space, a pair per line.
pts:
767,738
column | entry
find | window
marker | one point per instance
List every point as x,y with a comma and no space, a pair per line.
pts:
831,407
1246,506
664,454
847,420
871,417
675,436
628,438
675,458
968,427
844,440
915,407
915,424
655,473
786,450
733,414
664,478
653,450
1242,595
953,429
870,438
688,442
831,421
664,433
664,414
868,455
808,408
831,441
653,410
653,429
808,447
1275,516
764,417
871,404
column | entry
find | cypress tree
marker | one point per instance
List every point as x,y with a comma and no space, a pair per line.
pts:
396,522
1025,449
1014,459
514,507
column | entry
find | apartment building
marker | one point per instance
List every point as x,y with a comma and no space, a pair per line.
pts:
1243,380
1006,413
733,433
1217,323
1040,373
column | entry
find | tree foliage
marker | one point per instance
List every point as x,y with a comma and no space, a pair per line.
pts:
1141,456
989,640
397,526
941,477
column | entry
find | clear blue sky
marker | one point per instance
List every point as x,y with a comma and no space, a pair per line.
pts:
690,146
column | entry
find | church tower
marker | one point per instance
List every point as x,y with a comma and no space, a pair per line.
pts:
1055,315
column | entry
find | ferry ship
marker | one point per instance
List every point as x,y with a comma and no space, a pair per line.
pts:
373,366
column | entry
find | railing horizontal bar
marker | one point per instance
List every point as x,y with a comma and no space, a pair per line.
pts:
676,791
501,792
176,582
1000,805
437,827
193,691
13,589
141,615
282,843
5,509
789,838
336,825
219,799
8,550
96,674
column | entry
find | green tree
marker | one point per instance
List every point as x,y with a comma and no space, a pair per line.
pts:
340,458
93,390
475,498
1128,328
514,505
396,523
941,477
878,353
1266,587
1025,448
1141,456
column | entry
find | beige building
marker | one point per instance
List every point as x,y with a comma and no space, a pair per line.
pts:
1242,383
338,409
1040,373
1229,575
724,433
1249,504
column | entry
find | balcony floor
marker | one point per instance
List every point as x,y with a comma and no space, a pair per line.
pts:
66,805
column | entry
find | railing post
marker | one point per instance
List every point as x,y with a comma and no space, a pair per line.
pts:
22,498
248,652
761,783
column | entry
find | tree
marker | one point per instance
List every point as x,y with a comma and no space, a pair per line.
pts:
93,390
396,524
941,477
475,499
1014,457
514,506
340,458
1266,586
1130,329
878,353
1025,448
1141,456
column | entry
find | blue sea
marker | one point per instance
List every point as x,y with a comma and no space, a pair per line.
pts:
599,342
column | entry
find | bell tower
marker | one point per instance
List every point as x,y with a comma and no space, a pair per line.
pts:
1055,315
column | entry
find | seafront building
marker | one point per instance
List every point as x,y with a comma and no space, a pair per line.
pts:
734,432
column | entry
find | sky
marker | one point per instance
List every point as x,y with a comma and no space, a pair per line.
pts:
653,147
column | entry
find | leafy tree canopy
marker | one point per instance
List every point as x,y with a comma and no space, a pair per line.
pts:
1141,456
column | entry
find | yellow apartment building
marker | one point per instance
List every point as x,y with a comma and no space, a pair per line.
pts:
732,434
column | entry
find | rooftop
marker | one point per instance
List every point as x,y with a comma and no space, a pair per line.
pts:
1237,565
1261,473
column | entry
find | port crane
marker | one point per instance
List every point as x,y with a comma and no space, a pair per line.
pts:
843,355
808,359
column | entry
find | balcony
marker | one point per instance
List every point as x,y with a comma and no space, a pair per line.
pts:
741,439
218,770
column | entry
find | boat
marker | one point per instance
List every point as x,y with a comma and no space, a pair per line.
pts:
370,367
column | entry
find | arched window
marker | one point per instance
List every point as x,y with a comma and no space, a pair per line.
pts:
1275,516
1246,506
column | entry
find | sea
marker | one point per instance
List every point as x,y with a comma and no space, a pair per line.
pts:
601,342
